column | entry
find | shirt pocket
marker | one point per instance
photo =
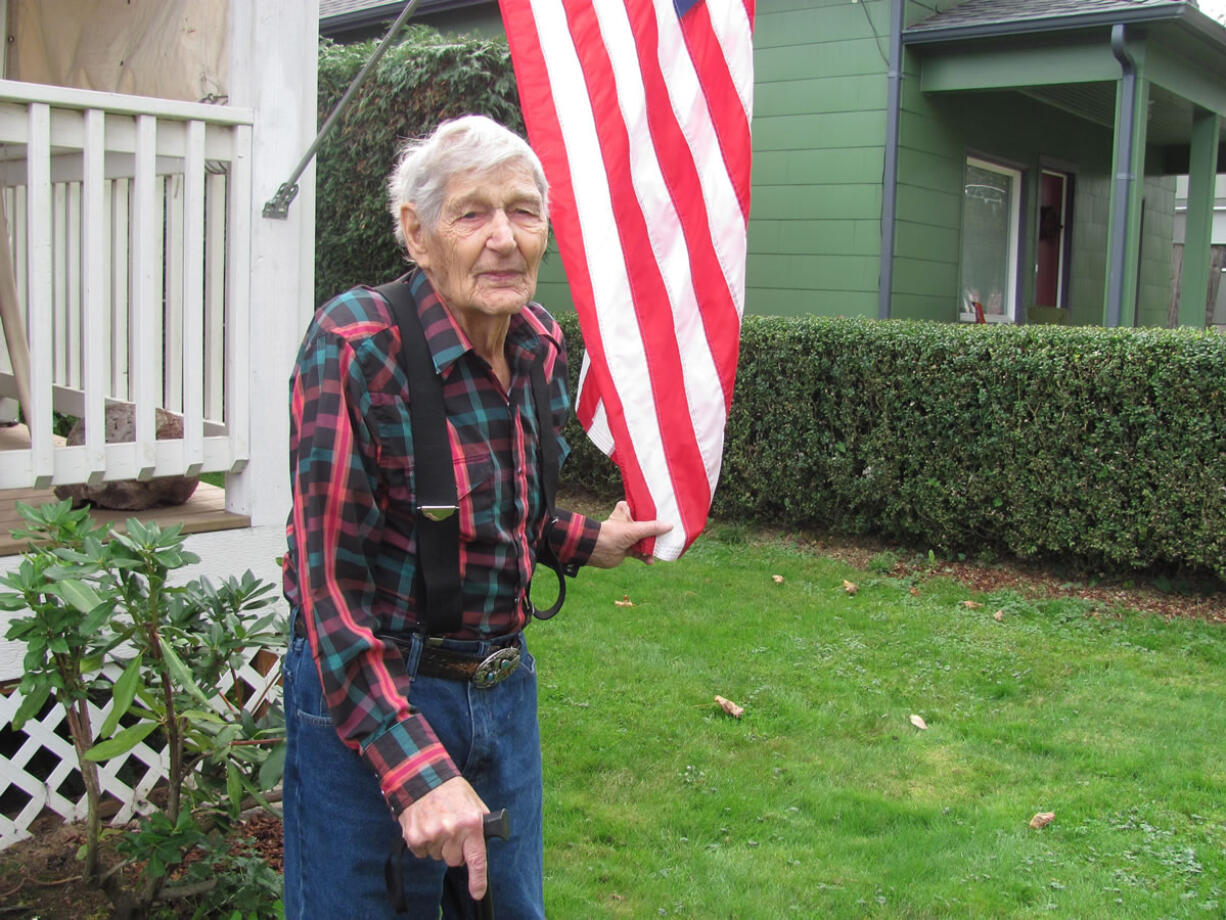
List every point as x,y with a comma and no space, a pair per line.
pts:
477,497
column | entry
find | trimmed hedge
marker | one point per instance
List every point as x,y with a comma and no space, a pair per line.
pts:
1103,448
416,84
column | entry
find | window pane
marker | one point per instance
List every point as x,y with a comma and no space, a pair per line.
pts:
987,239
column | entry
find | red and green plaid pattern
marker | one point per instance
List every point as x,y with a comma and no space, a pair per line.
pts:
350,564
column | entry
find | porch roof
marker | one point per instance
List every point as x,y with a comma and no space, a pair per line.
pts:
1059,52
984,18
344,18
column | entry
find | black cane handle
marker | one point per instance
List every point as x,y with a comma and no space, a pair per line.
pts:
497,824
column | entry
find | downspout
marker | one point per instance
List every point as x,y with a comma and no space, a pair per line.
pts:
1123,178
889,181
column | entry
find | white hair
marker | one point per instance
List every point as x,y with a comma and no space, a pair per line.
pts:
469,144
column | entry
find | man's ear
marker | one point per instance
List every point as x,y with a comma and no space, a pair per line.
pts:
414,235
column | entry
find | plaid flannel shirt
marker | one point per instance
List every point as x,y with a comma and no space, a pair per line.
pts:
350,564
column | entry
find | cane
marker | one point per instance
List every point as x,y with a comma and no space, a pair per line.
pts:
496,824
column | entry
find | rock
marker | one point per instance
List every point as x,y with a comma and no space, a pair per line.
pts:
130,494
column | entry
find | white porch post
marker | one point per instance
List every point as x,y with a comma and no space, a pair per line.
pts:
273,64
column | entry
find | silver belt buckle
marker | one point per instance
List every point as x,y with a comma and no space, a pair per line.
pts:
496,668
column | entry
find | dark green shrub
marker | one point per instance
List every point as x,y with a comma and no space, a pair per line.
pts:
1097,447
417,83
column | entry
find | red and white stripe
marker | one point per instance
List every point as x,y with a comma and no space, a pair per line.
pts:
641,119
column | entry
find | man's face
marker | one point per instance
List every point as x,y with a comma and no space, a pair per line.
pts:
483,255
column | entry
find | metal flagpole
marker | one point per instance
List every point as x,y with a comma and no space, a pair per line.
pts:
277,207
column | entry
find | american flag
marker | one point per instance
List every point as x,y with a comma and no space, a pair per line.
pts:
640,111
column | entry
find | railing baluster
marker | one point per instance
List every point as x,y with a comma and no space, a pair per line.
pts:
215,297
72,326
39,285
191,258
59,287
146,301
95,322
172,337
238,346
121,249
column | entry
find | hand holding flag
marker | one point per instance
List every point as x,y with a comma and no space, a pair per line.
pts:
620,533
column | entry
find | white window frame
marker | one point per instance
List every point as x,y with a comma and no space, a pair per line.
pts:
966,313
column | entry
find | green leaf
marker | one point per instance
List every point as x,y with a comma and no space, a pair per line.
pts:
77,593
95,618
203,715
122,696
30,705
179,672
121,743
234,789
273,766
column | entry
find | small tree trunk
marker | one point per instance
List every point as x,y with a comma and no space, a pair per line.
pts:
82,739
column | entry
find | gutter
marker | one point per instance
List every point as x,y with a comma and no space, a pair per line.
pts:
1064,23
1122,183
339,23
889,182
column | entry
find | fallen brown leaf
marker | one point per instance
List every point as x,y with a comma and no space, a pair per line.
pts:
915,592
971,605
1042,819
850,586
918,722
730,707
624,602
999,616
777,579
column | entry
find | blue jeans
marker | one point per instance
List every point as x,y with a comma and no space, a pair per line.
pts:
339,830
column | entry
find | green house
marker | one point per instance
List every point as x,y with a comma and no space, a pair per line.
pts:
983,160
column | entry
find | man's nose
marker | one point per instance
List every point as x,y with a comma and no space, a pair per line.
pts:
501,235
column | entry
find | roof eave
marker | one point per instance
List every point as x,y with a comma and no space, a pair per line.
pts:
1062,23
386,12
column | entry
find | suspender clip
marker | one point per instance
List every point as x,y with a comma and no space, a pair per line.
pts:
437,513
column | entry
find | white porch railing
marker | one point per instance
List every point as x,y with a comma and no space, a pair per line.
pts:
129,225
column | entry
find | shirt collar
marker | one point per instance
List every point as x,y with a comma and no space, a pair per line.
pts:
447,341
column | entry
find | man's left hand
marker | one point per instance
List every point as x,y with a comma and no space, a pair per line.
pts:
619,534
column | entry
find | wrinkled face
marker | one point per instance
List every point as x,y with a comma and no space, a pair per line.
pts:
483,254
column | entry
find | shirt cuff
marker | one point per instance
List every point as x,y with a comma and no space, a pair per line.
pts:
410,761
573,538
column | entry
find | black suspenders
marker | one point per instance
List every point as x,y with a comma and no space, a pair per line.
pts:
440,601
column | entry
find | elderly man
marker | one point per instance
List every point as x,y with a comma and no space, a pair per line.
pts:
397,730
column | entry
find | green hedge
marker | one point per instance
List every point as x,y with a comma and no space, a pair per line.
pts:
1103,448
415,85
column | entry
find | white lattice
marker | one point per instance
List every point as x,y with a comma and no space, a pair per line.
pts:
142,766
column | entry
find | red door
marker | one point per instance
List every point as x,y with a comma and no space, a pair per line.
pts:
1053,193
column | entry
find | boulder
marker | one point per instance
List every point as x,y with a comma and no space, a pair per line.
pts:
130,494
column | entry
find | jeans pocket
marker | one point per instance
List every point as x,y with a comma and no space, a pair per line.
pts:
302,688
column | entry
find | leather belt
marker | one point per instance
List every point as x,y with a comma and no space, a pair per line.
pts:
448,664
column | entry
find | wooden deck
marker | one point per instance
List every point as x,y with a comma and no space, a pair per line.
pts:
204,512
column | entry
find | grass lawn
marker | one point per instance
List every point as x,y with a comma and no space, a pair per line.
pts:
825,800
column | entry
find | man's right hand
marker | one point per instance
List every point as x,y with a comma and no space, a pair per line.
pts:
446,824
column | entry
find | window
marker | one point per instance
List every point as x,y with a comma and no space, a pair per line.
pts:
991,202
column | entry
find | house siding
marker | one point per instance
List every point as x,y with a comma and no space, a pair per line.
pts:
819,141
